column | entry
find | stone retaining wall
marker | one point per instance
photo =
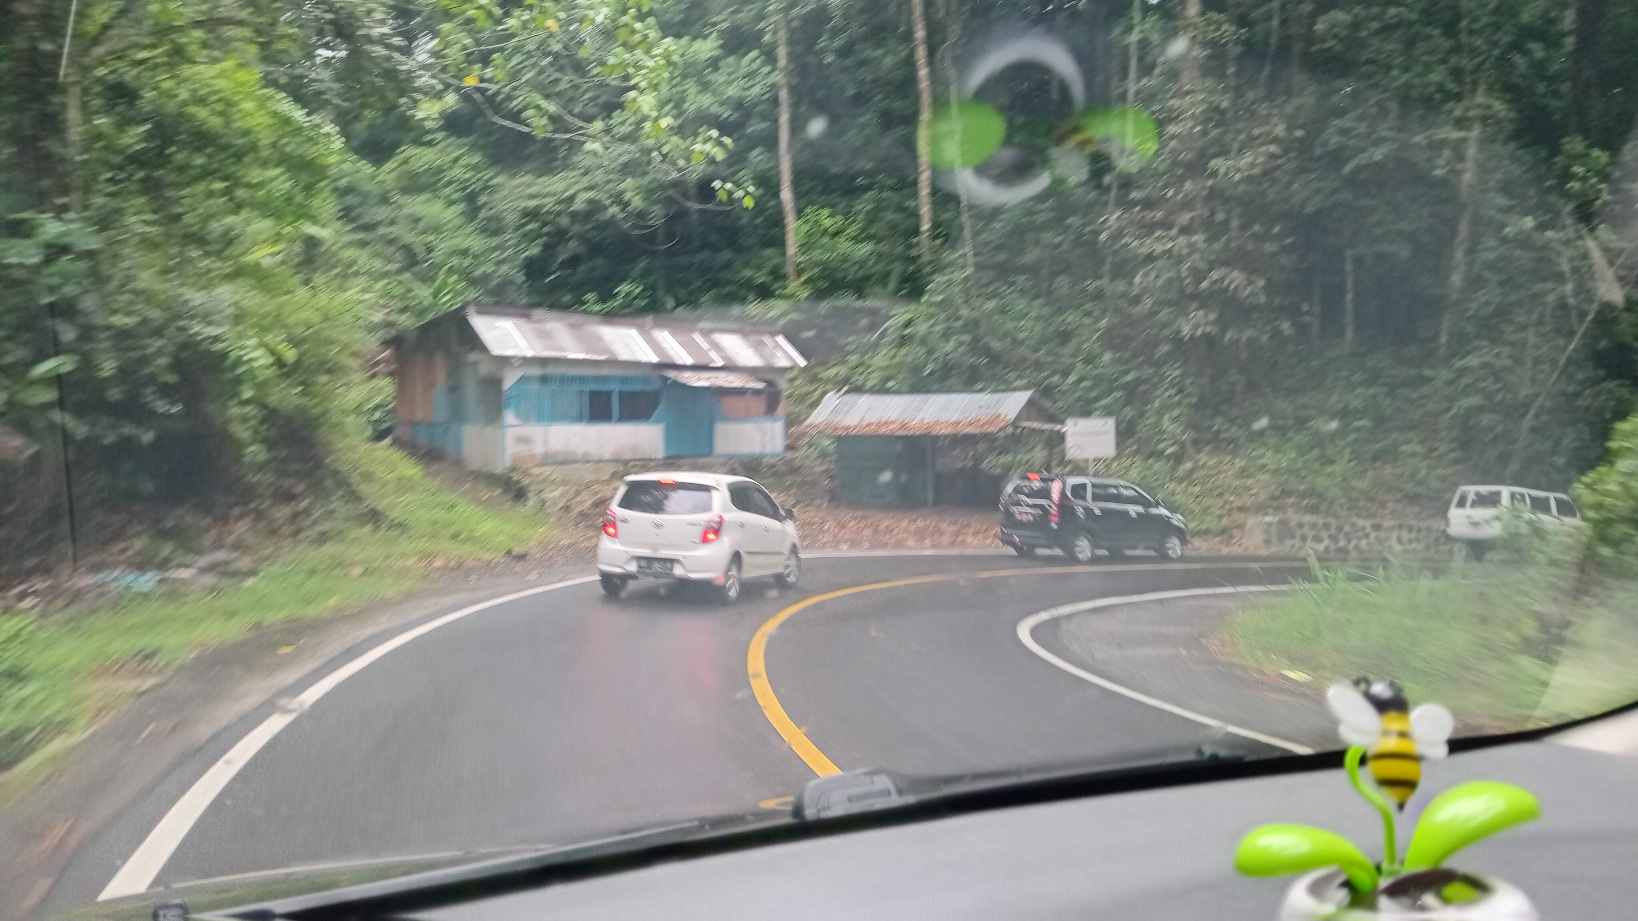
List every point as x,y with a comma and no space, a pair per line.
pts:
1342,537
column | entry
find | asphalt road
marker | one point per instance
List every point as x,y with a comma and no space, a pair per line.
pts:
561,717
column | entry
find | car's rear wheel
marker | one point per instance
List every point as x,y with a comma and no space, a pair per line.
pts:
613,585
1081,549
791,573
728,592
1171,549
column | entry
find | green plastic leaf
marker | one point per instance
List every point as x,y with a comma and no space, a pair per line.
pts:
1464,814
1280,848
35,394
53,366
1127,134
964,134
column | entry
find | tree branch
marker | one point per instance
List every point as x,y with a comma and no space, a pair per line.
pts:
99,45
113,49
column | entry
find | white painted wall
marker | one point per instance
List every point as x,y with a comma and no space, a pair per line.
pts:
753,437
481,447
530,445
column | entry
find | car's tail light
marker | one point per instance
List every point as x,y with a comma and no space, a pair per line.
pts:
1057,499
611,524
713,530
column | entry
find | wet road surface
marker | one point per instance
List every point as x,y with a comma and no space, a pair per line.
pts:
563,716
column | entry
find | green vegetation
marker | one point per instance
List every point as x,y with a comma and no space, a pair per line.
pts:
1610,497
59,672
1363,252
1525,639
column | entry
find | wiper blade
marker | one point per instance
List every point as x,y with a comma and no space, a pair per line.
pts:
382,897
848,793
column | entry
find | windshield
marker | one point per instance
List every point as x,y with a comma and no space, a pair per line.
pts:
656,498
342,346
1030,490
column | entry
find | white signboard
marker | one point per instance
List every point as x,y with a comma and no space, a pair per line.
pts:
1089,439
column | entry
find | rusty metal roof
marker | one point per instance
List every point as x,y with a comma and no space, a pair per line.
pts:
844,413
513,332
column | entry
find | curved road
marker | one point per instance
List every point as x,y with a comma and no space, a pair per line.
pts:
559,717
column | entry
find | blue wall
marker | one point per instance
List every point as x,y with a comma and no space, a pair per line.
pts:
690,416
445,437
546,399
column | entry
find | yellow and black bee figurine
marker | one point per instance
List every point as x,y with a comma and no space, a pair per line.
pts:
1376,715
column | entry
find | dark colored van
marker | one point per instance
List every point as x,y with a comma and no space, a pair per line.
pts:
1080,515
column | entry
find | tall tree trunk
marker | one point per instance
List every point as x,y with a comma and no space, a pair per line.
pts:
1273,46
1348,302
1189,66
787,187
1202,347
924,104
73,139
33,120
1302,39
1132,53
1587,31
1314,311
1456,278
1131,101
952,22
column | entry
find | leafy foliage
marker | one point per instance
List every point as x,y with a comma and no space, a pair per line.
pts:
1609,496
1354,266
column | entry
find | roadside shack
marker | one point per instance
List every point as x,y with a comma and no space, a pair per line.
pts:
924,449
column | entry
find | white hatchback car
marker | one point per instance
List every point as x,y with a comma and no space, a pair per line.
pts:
1478,514
696,527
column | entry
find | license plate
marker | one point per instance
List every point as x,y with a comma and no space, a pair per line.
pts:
655,566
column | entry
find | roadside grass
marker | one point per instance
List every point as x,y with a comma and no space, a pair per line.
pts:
1219,489
61,672
1506,645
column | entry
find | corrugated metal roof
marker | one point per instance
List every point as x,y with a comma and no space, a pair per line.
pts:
717,380
522,333
924,413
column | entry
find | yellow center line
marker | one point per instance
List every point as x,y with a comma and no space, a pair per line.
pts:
756,656
756,664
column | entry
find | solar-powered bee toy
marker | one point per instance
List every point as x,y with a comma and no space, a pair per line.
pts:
1340,883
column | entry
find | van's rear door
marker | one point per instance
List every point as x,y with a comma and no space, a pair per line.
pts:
663,515
1028,505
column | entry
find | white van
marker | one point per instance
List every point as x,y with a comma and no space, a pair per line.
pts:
1479,513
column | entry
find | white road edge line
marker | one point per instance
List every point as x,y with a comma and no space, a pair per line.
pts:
1026,628
137,874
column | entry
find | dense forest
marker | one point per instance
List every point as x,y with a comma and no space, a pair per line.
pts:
1382,245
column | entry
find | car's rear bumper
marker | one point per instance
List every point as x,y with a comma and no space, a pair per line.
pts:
701,564
1017,537
1491,530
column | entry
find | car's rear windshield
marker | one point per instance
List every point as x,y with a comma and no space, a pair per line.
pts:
651,497
1486,498
1030,490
